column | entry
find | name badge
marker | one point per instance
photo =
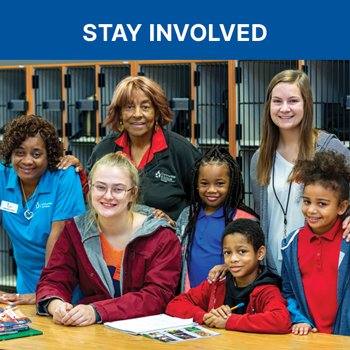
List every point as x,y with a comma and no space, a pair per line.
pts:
8,206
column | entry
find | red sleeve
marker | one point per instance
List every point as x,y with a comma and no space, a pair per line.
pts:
159,287
84,183
194,303
266,313
60,276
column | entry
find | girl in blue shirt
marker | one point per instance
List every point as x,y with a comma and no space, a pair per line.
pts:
216,199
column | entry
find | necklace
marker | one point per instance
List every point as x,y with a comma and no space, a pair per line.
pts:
284,210
28,214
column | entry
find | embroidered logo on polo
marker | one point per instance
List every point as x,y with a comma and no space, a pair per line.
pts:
166,178
43,205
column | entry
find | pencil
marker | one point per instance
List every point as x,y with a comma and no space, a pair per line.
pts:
237,306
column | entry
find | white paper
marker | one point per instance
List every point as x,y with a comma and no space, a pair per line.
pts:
150,323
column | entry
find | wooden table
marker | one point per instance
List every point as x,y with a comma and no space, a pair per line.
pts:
101,337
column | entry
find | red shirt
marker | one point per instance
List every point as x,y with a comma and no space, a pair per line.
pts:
266,310
318,257
158,144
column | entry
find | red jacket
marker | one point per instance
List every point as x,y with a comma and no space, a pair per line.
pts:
266,311
149,278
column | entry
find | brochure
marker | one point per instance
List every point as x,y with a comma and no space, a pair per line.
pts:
12,313
12,320
164,328
174,335
14,324
150,324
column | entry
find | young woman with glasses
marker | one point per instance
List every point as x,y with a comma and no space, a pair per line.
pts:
126,264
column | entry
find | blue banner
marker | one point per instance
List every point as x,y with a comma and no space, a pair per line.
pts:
157,30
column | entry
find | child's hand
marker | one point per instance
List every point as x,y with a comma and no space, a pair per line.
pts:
303,329
211,320
223,311
160,214
217,272
346,227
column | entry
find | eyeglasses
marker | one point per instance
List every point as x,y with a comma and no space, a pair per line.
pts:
117,192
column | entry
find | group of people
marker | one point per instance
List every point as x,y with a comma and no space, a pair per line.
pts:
152,231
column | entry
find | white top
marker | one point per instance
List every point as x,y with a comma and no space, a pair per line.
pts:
295,218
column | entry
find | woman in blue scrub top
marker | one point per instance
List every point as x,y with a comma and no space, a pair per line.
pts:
35,198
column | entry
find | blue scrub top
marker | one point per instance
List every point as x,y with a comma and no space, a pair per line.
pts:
206,250
58,196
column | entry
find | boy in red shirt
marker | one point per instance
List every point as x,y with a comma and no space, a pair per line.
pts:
246,283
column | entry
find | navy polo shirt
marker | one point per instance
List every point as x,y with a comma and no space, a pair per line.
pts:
206,250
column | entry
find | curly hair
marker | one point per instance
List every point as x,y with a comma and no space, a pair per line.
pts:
327,168
123,94
19,129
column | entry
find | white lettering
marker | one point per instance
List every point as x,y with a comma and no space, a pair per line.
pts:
151,32
158,32
201,28
227,36
119,32
181,36
211,34
167,33
242,32
263,32
105,30
87,30
134,31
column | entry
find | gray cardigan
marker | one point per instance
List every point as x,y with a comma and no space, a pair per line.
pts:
325,141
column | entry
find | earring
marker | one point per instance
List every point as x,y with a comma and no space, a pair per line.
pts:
121,126
156,126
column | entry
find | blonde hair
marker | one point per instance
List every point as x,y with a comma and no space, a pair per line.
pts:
123,95
115,160
270,132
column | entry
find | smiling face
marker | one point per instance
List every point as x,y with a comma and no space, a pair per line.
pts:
112,191
321,207
241,259
138,116
213,184
287,106
29,160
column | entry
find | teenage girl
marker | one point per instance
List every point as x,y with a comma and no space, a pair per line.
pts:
216,199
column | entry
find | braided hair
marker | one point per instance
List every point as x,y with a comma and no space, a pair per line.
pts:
216,155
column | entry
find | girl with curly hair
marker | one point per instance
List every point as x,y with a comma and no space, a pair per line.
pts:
315,264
